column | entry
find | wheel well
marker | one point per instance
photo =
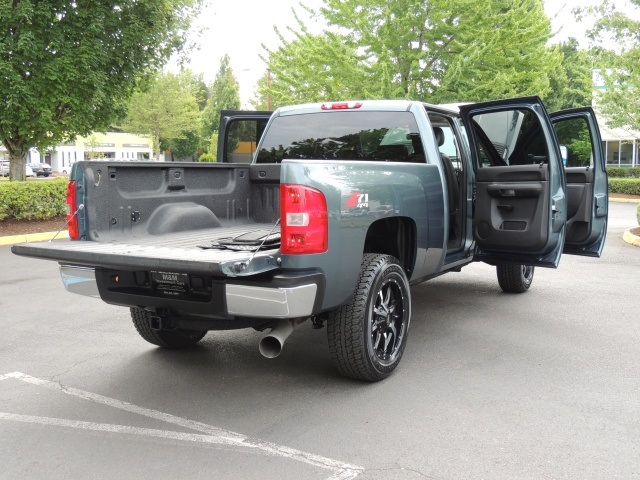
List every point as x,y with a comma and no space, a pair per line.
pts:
393,236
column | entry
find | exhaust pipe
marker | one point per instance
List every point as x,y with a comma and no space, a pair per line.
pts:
271,345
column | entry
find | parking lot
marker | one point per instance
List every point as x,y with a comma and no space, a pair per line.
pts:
540,385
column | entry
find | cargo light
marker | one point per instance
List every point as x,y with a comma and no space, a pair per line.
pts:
340,106
303,220
72,207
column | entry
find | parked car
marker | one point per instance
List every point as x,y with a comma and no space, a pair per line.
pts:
43,169
5,169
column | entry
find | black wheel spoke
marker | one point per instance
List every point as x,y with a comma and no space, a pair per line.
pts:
367,337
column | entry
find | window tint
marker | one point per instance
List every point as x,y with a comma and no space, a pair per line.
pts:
348,135
242,136
510,137
575,142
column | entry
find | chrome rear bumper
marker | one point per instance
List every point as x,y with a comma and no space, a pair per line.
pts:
241,300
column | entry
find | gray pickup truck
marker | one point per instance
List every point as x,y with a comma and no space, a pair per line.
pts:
328,213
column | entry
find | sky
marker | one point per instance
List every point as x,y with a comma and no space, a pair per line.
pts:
239,27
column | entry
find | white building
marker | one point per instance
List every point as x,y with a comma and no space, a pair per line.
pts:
107,146
621,146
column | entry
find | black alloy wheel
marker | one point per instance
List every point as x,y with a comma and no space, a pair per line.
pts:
367,336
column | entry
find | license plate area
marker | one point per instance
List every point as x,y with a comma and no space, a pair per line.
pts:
170,284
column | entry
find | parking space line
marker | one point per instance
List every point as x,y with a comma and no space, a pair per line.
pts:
213,435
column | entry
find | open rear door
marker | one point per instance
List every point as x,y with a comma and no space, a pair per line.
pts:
587,187
520,206
239,134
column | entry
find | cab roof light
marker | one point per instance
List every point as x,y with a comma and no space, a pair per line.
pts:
341,105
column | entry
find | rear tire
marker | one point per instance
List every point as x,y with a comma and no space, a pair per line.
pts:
179,338
367,337
514,278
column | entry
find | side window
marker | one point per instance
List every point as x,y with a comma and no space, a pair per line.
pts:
510,137
242,138
575,142
446,139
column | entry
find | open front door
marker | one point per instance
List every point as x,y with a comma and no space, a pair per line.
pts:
520,206
239,134
587,187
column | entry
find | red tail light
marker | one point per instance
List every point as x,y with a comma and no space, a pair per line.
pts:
72,206
303,220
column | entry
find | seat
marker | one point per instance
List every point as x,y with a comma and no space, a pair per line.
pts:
396,153
452,180
418,152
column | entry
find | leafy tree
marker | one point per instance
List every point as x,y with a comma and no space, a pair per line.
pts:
68,67
498,51
440,51
312,68
617,45
167,110
186,146
189,143
572,80
224,94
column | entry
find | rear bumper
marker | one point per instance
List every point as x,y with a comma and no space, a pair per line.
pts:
286,296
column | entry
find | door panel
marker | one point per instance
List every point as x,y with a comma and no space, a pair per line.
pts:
587,187
520,209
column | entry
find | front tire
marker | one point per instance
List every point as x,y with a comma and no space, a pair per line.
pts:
367,337
514,278
179,338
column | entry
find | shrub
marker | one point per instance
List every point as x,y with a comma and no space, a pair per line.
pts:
623,172
616,172
633,172
33,200
206,157
628,186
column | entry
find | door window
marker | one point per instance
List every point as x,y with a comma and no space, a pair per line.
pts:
242,136
508,138
575,142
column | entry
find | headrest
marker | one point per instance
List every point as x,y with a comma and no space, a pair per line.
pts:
439,134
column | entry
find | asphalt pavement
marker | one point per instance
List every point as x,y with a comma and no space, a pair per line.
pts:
543,385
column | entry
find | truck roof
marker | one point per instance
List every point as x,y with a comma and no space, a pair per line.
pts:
359,105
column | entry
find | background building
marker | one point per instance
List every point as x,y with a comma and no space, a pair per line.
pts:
97,146
621,146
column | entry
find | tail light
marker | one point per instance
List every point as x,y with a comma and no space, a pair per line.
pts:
72,206
303,220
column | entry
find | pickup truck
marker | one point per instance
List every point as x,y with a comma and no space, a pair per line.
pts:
341,209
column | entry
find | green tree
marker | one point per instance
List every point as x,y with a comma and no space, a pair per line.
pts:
167,110
190,142
68,67
617,46
447,50
312,68
224,94
572,80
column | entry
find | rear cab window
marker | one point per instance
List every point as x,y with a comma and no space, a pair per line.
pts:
349,135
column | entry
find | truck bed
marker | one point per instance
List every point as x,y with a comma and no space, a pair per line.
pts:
175,252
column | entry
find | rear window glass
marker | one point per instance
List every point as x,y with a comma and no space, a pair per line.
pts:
391,136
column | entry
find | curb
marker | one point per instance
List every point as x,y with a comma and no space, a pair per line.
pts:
32,237
624,200
630,238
